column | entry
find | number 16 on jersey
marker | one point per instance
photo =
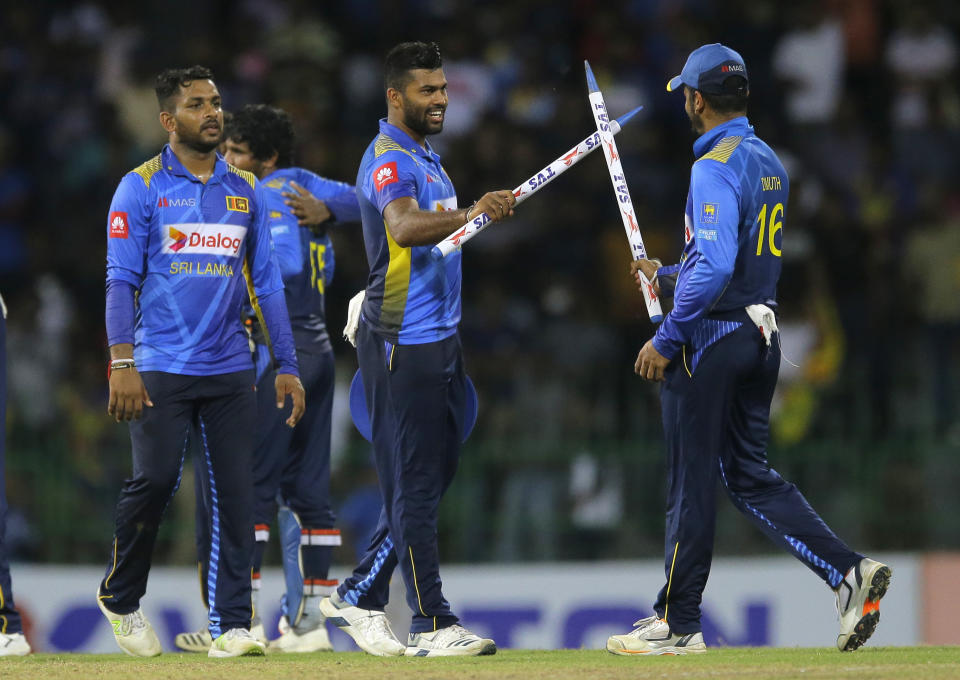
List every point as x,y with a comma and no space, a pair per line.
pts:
627,214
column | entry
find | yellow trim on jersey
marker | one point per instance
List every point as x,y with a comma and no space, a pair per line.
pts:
385,144
417,588
683,349
396,283
666,598
248,176
255,303
149,169
723,150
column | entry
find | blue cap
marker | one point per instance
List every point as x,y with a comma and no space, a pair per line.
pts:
707,67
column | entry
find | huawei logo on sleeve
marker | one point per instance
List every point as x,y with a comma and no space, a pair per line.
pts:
118,225
384,175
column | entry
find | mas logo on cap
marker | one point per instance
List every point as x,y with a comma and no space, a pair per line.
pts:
707,69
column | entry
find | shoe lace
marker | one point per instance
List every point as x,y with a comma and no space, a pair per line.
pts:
241,633
378,624
644,625
133,623
447,636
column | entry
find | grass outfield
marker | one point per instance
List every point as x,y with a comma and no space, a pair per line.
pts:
875,663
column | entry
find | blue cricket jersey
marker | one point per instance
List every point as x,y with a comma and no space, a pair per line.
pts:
306,257
181,244
734,217
411,298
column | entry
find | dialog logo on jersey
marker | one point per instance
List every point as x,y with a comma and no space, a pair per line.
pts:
118,224
179,240
384,175
204,239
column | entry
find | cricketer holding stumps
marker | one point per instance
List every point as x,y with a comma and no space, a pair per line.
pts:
411,361
717,354
182,229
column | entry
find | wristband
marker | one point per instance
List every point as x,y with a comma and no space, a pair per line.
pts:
117,364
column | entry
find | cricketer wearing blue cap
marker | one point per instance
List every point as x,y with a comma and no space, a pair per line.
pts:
410,361
717,355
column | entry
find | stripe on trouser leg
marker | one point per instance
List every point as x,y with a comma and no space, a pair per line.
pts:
214,561
803,551
666,598
362,588
413,568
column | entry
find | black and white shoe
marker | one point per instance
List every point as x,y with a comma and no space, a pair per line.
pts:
652,636
858,602
453,640
369,628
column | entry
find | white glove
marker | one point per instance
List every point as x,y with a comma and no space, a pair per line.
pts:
353,318
764,319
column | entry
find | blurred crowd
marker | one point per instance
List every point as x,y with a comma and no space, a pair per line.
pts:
859,97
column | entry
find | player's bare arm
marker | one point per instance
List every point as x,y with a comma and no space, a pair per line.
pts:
649,269
290,384
411,226
128,395
650,364
307,208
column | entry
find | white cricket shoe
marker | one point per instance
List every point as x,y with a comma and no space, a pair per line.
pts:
453,640
310,635
652,636
236,642
14,644
858,602
369,628
194,642
133,632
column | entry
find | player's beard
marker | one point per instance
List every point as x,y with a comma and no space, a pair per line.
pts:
198,142
696,120
417,119
696,123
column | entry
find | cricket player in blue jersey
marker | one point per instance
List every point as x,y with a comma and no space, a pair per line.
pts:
184,231
12,640
294,463
717,354
410,361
